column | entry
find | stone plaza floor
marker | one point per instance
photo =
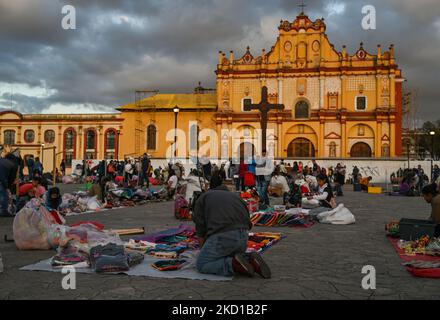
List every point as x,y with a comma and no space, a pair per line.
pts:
323,262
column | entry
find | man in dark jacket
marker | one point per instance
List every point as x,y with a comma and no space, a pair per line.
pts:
222,225
8,175
145,170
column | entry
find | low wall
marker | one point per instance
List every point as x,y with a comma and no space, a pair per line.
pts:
379,169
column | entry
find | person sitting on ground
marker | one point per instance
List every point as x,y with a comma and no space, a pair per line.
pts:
405,189
365,183
222,225
323,198
53,198
172,184
278,185
33,189
29,191
431,195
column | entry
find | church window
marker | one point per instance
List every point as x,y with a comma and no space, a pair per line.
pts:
110,144
151,137
69,146
90,152
302,110
361,103
29,136
9,138
49,136
246,101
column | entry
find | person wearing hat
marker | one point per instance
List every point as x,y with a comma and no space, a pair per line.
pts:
8,176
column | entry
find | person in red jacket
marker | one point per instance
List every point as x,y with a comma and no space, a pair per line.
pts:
242,170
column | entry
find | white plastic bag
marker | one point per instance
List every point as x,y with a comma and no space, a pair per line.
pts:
33,225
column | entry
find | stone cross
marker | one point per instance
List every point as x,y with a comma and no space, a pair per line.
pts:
264,107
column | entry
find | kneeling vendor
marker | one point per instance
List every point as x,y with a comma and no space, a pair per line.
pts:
222,224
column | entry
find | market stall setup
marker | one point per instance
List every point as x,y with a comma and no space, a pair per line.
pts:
417,242
89,248
81,202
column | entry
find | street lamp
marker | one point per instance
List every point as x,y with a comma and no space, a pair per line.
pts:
42,154
432,134
117,145
407,151
176,111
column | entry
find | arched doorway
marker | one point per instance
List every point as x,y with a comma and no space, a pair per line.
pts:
301,148
361,150
247,150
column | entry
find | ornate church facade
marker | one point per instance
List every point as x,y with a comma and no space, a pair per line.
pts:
336,105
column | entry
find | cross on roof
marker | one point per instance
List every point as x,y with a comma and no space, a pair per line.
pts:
302,6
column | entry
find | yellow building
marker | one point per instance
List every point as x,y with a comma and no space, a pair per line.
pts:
90,136
337,105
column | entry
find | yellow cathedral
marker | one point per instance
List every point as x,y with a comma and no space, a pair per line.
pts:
336,105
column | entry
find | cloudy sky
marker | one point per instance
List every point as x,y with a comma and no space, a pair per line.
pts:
170,45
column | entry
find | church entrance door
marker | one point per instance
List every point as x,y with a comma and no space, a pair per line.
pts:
361,150
301,148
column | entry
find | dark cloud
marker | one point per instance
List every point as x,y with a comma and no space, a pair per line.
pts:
170,45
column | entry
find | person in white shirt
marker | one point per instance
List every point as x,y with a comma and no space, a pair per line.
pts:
172,184
278,184
324,196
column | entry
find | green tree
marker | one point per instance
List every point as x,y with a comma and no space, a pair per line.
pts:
425,140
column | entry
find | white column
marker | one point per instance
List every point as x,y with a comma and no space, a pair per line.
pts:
321,92
280,91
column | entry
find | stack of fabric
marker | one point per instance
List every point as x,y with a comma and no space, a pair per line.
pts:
252,199
271,218
180,245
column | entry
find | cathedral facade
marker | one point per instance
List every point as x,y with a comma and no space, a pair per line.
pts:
336,105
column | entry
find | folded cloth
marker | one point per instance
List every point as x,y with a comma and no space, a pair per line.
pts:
168,265
135,258
109,258
418,264
68,259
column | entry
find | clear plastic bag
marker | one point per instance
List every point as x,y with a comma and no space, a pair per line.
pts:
33,225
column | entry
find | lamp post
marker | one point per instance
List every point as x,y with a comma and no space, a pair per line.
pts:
407,151
117,145
176,111
42,154
432,134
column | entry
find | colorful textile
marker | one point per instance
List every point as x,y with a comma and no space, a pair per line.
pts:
413,261
175,242
168,265
183,230
261,241
281,219
109,258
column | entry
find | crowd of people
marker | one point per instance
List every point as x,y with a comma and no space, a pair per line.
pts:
412,181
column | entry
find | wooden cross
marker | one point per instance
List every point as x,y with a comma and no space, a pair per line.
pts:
264,107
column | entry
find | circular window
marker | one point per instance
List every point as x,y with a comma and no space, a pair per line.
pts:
361,54
288,46
316,46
